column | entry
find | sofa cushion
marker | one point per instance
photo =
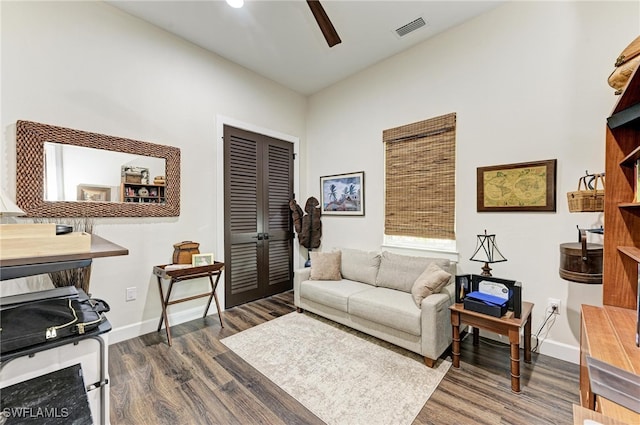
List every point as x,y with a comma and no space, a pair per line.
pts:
325,265
387,307
431,281
401,271
334,294
361,266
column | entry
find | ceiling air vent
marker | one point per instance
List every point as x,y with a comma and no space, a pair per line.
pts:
410,27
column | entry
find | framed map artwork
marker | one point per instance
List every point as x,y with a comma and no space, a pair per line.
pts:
526,186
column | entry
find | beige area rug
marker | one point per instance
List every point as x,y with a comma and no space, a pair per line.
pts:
342,376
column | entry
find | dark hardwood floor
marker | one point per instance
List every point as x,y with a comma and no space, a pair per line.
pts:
200,381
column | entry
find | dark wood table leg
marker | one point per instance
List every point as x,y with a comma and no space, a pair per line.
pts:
476,336
165,301
215,297
527,340
455,346
514,340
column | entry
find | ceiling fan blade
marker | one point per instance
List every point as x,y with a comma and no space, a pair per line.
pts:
329,32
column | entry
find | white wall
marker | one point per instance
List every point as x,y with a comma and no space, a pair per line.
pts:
528,82
89,66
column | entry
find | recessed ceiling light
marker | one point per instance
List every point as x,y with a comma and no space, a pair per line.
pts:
235,3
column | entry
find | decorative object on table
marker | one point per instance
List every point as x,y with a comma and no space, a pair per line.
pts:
581,261
487,252
463,286
343,194
525,186
589,197
199,260
159,180
143,191
78,277
308,226
484,303
28,240
8,208
493,296
625,64
63,229
183,251
93,193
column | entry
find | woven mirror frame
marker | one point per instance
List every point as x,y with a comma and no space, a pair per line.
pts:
30,167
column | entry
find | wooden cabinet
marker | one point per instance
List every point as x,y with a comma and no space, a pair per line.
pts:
621,213
142,193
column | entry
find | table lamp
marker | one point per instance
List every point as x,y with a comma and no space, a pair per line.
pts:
8,208
487,252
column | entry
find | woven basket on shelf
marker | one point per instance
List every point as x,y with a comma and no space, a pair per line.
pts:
587,200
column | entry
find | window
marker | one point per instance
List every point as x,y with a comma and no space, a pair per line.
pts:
420,183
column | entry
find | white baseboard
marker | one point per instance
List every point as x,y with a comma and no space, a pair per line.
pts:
550,348
151,325
558,350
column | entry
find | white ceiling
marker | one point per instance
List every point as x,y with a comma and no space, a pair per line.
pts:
281,40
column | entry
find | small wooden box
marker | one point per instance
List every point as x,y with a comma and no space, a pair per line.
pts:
35,240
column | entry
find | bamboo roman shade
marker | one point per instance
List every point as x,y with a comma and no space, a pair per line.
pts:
420,178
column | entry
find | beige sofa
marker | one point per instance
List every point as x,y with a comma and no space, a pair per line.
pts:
374,295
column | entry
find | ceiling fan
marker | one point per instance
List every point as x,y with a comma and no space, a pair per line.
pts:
329,32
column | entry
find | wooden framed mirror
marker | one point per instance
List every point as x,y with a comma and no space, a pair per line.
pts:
91,191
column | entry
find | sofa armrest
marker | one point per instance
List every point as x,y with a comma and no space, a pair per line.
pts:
436,323
299,276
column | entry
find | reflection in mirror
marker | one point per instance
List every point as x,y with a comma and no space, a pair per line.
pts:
76,173
58,169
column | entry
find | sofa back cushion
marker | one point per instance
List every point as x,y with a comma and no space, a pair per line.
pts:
401,271
360,266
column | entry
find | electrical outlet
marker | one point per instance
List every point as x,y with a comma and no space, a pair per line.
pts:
132,293
551,303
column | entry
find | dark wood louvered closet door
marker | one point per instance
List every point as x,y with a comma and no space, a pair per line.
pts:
258,184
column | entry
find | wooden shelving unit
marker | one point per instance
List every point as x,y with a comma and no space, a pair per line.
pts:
608,333
622,212
143,193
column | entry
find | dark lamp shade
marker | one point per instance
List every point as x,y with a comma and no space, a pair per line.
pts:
486,250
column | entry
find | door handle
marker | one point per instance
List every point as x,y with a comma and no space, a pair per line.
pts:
260,236
266,236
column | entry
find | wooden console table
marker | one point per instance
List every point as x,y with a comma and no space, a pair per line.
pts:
30,266
180,275
505,325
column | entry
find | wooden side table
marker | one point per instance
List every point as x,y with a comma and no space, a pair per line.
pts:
180,275
505,325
